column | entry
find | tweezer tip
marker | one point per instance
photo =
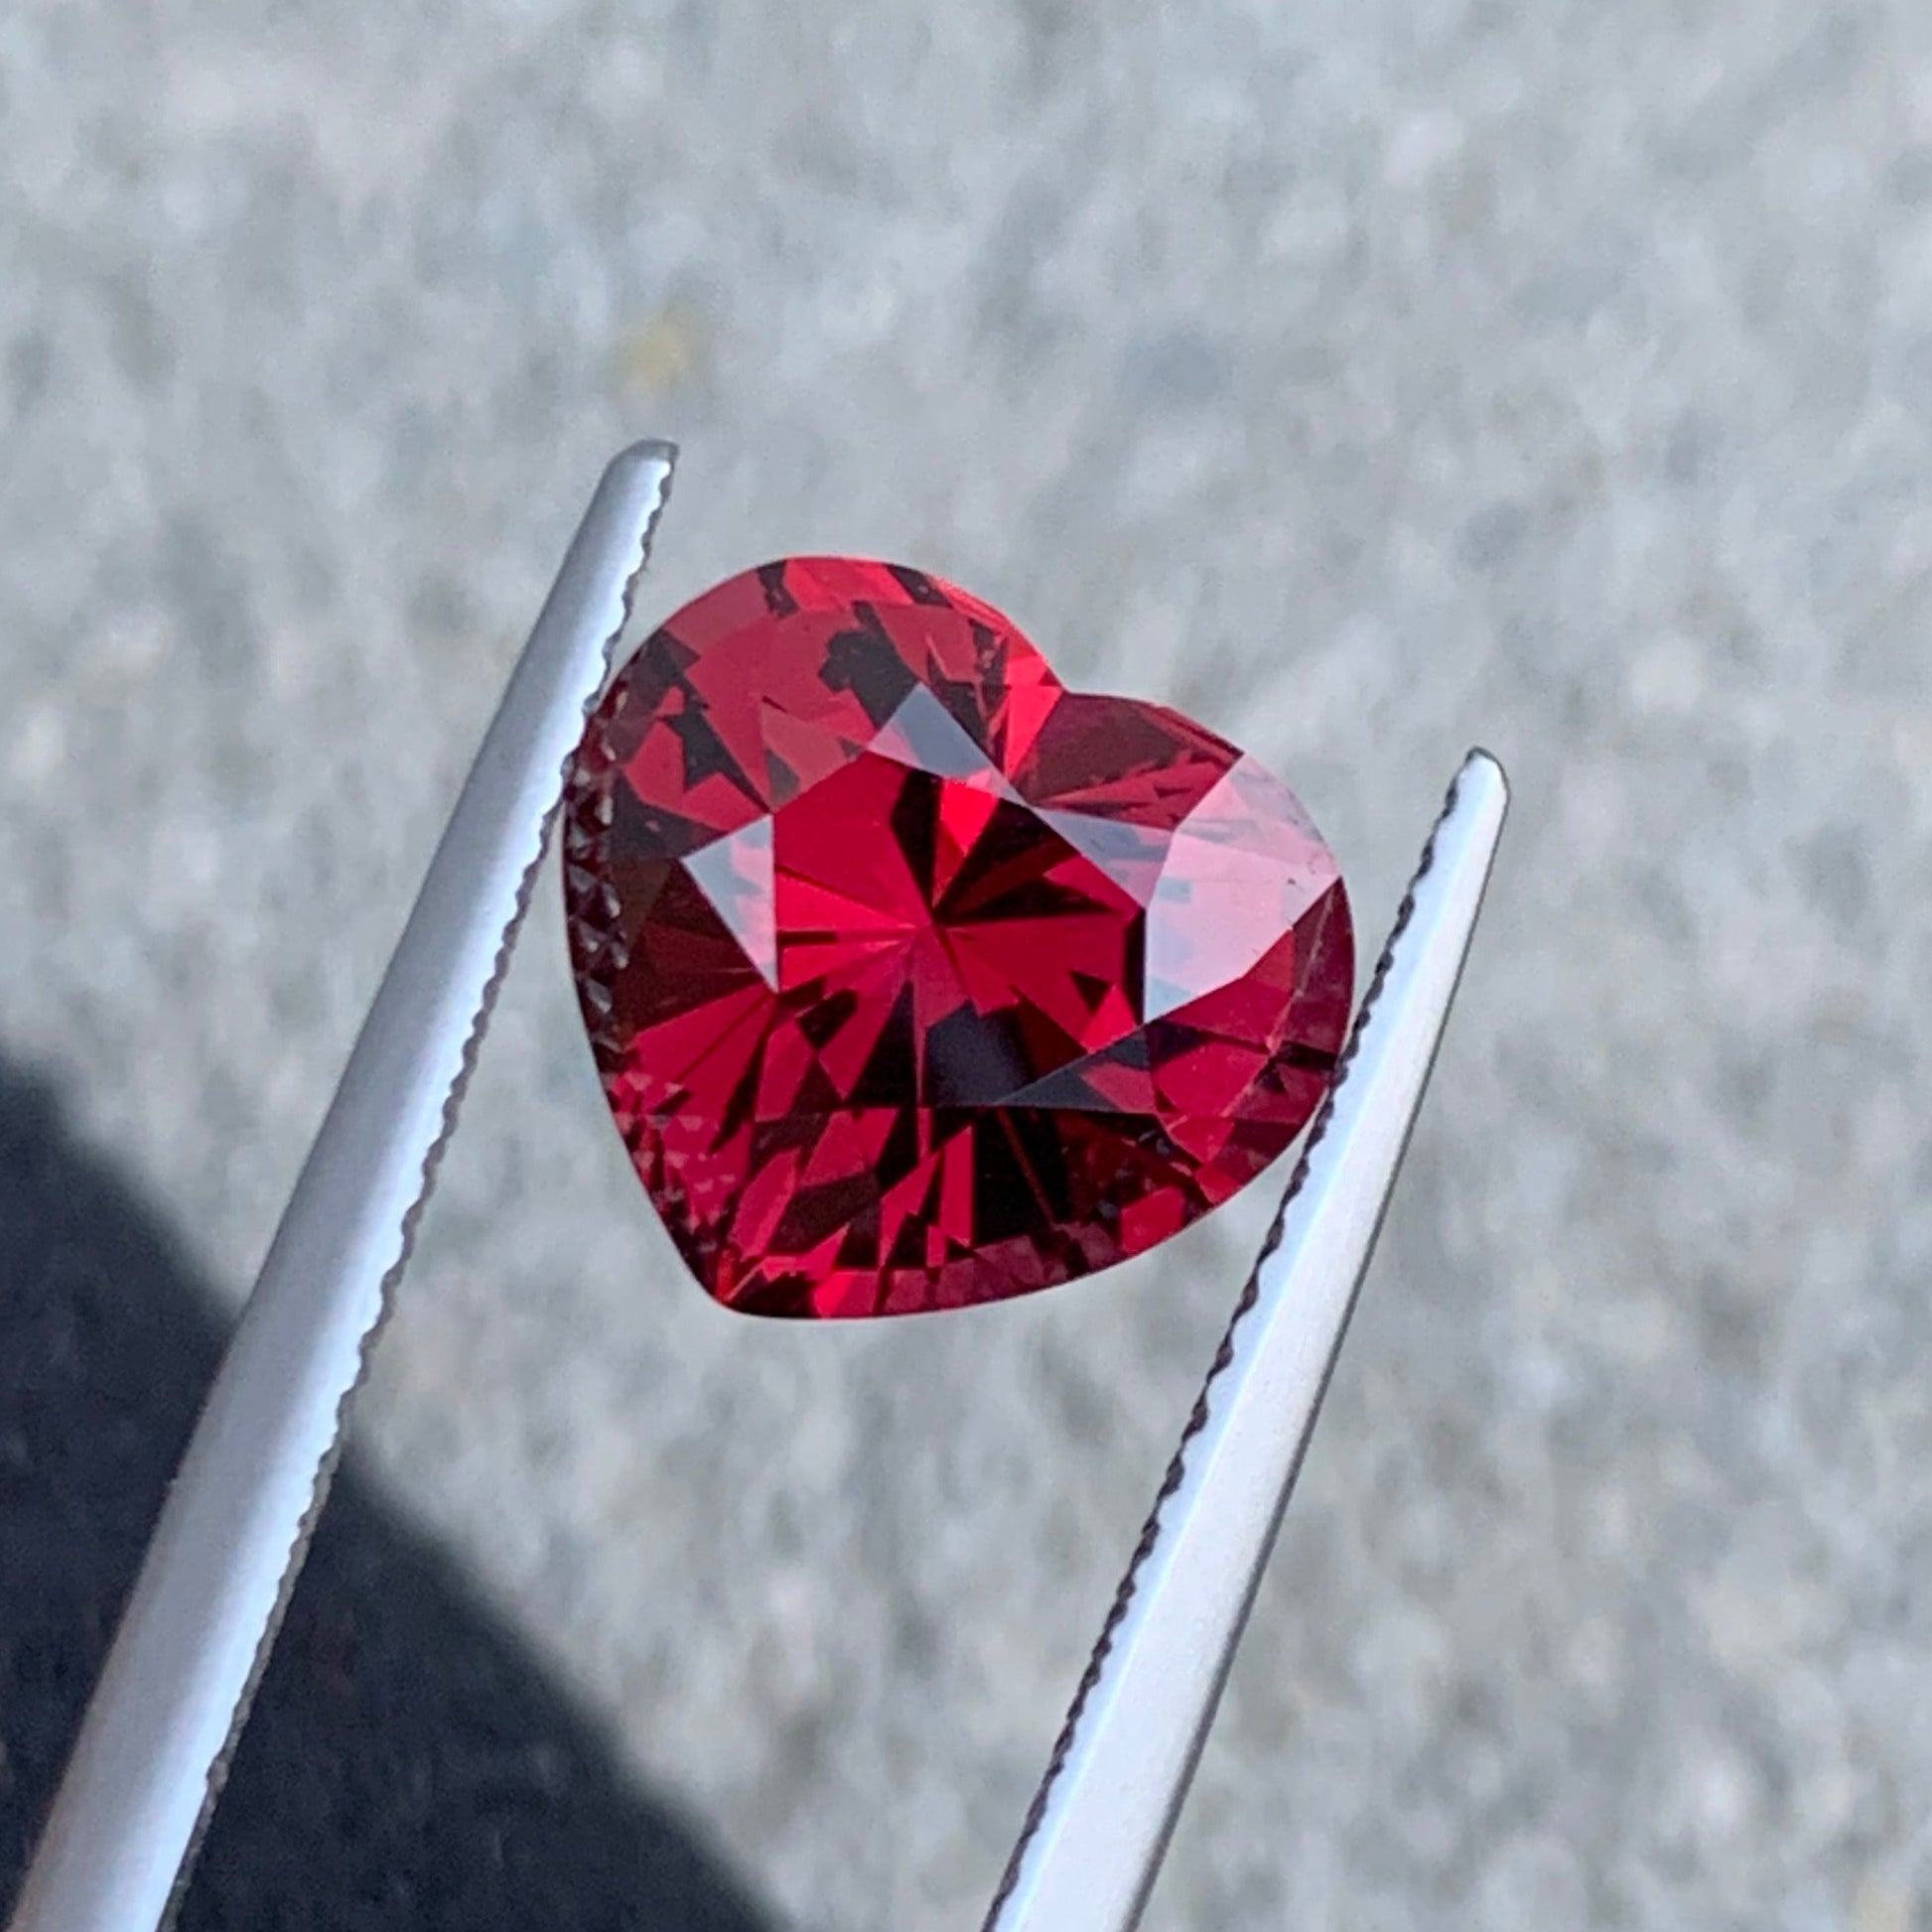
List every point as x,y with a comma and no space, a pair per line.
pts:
652,453
1485,766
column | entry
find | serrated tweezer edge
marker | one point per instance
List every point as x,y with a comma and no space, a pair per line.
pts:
155,1745
1098,1827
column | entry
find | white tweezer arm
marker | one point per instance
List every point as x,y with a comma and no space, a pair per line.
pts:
1099,1826
205,1610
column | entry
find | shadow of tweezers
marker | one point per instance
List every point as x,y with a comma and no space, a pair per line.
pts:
408,1765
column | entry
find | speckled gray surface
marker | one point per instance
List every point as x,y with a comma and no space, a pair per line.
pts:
1368,377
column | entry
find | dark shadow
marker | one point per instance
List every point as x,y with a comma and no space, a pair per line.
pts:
406,1766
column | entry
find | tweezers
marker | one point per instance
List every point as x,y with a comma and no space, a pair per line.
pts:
156,1741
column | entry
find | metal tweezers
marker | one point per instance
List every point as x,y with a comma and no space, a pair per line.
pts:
158,1735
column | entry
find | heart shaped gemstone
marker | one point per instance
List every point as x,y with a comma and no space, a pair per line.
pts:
917,980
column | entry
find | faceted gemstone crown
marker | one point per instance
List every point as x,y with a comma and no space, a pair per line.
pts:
915,979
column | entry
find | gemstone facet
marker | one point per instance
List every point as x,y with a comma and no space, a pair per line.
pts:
915,979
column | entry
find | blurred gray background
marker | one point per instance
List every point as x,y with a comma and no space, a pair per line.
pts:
1366,377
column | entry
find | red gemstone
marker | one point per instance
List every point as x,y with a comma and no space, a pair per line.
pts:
916,980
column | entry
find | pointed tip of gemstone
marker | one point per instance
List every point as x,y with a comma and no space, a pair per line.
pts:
917,980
